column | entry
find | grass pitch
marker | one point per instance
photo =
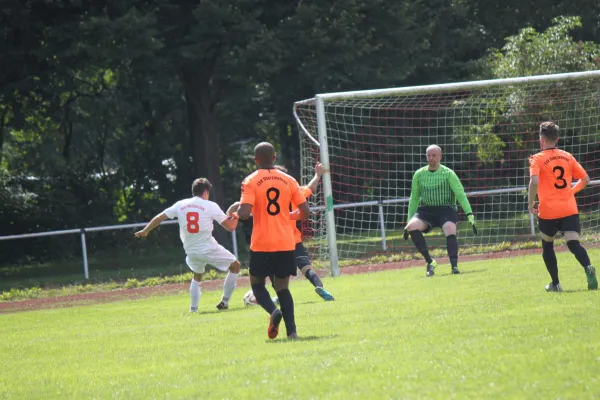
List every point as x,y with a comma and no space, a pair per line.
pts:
492,332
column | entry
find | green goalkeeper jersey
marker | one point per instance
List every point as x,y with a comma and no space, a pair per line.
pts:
437,188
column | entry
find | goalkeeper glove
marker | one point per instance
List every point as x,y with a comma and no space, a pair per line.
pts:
471,218
405,234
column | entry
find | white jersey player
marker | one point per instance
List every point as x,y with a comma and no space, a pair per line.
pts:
196,216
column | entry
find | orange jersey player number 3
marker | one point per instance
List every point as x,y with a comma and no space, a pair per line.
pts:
270,193
556,169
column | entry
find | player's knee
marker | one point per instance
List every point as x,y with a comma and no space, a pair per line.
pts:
570,235
546,238
449,228
235,267
197,277
281,283
257,280
305,269
415,225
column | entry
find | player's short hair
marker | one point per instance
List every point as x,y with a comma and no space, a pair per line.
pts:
200,186
281,168
549,130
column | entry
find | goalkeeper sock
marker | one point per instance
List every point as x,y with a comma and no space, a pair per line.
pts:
313,278
549,257
419,241
195,294
229,286
579,252
287,308
452,246
263,297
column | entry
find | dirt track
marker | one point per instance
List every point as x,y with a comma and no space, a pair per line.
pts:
122,294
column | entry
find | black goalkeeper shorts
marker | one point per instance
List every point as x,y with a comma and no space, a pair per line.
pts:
436,216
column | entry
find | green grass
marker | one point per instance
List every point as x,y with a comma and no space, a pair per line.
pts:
492,332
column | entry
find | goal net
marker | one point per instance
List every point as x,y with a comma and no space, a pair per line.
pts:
487,130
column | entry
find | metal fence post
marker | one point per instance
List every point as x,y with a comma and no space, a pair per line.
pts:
234,242
382,226
86,271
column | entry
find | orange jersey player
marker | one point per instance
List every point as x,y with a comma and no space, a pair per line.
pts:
552,172
267,195
301,254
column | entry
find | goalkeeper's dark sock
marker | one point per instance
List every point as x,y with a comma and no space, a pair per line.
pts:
287,308
579,252
452,246
263,297
419,241
313,278
549,257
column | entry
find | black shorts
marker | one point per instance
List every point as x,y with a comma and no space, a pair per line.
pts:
550,227
302,259
279,263
436,216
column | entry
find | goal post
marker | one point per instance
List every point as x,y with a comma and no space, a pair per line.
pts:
373,141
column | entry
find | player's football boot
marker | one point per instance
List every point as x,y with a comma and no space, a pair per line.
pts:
431,268
553,288
293,336
193,309
325,295
222,306
590,273
455,270
274,321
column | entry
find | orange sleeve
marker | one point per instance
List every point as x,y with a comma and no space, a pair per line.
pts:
534,167
306,192
578,171
247,192
297,196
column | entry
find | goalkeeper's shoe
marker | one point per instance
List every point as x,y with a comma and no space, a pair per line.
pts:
553,288
193,309
274,322
455,270
590,273
222,306
431,268
325,295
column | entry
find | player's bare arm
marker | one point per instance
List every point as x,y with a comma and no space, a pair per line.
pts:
244,211
319,171
233,208
231,222
151,225
581,184
533,191
302,212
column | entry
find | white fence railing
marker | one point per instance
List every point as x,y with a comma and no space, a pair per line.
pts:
379,203
82,232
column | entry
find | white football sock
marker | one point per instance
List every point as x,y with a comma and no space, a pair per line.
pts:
228,286
195,294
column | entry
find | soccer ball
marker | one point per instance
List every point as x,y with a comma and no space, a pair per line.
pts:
249,299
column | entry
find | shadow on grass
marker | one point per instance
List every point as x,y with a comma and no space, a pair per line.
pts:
446,274
577,290
309,338
230,310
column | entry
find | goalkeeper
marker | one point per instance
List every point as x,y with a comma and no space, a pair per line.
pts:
437,188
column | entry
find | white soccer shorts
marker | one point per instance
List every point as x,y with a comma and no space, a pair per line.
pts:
219,258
